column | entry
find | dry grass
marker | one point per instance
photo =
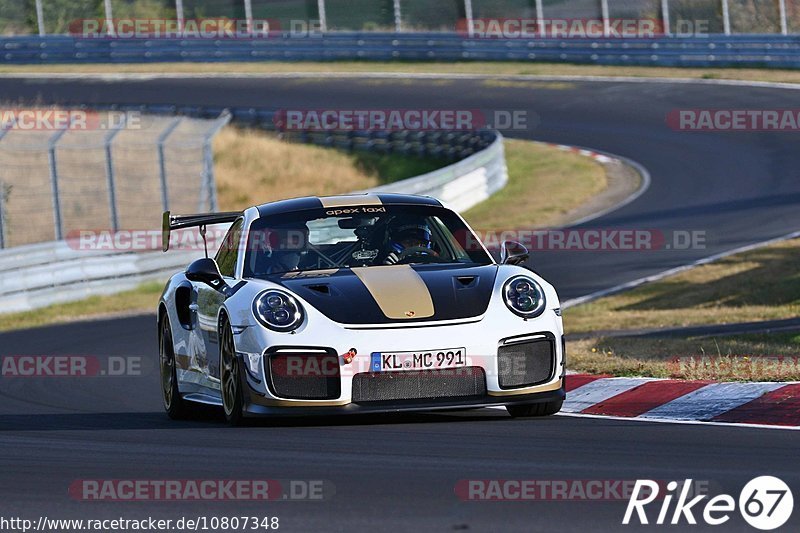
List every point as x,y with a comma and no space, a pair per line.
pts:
762,284
762,357
254,167
508,68
759,285
569,179
143,299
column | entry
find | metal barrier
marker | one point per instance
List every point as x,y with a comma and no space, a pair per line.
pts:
774,51
38,275
103,170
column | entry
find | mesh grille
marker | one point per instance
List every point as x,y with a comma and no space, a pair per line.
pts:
310,376
461,382
525,364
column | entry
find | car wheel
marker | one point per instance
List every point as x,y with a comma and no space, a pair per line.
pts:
174,404
230,380
535,409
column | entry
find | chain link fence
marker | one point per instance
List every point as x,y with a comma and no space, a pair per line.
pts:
53,17
100,171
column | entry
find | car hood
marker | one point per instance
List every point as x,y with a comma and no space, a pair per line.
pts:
395,294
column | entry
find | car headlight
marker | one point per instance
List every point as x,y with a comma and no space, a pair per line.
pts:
524,296
278,310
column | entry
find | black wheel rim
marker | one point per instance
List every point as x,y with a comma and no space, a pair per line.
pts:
167,366
230,373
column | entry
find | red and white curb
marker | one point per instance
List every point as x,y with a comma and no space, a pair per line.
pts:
668,400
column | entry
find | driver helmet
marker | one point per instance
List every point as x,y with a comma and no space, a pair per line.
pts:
406,234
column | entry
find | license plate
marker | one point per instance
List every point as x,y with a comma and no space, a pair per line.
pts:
422,360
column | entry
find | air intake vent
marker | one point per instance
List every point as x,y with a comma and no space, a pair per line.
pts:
321,289
526,363
304,374
464,282
463,382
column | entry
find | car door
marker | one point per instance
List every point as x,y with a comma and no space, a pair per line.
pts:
210,300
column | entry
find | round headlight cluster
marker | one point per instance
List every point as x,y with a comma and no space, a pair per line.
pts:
524,296
278,311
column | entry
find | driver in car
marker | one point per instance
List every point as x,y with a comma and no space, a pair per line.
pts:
280,249
407,239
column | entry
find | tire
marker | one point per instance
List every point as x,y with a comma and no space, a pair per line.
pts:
174,404
535,409
230,379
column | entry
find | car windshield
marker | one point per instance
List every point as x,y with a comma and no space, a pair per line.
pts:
361,236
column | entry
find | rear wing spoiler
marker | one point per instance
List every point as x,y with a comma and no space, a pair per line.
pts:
170,222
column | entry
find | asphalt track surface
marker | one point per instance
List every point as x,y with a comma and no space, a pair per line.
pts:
399,472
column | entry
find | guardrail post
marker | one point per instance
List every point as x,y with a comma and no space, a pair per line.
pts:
109,18
209,183
540,18
6,127
40,18
248,15
398,18
2,215
784,22
323,18
606,21
665,16
162,164
112,188
179,14
54,188
726,17
468,16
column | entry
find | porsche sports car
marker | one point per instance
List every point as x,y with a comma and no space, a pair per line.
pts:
352,304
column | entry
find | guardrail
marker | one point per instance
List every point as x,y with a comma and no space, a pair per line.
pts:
34,276
714,50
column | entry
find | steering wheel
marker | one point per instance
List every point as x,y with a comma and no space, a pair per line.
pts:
422,254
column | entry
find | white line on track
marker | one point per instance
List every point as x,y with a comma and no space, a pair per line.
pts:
687,422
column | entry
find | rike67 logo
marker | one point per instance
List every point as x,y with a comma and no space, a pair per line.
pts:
765,503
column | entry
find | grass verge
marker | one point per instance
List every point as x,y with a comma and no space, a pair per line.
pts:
569,179
141,299
505,68
759,285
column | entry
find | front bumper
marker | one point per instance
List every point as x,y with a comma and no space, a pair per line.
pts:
256,404
260,398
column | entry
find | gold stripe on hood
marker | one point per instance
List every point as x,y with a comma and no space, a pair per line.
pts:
398,290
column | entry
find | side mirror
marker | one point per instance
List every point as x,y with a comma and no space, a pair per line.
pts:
206,271
513,253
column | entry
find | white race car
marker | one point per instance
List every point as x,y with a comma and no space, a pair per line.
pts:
352,304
